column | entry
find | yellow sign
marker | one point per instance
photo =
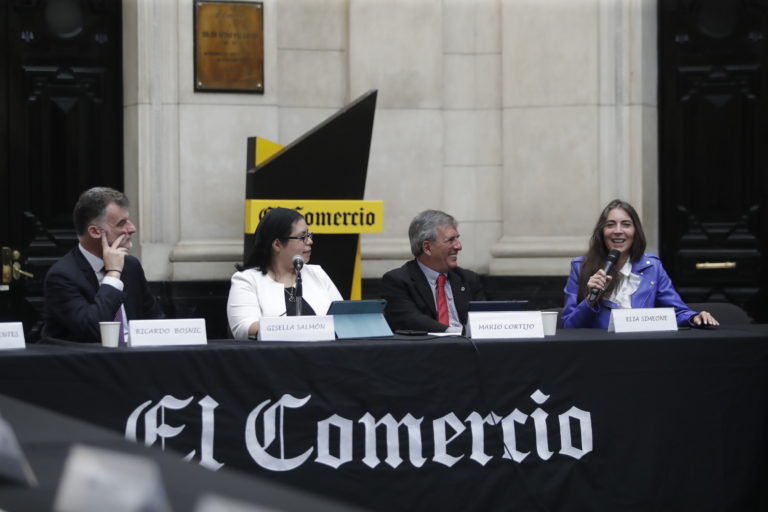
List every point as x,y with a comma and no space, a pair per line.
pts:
323,216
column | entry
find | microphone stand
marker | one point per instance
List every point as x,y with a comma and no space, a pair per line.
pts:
298,293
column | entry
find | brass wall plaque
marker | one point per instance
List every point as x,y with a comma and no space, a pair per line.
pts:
229,46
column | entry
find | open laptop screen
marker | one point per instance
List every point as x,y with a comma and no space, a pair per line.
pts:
355,307
498,305
359,318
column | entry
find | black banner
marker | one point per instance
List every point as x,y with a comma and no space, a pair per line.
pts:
582,421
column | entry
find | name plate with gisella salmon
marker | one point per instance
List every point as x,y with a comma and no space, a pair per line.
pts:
642,320
169,332
296,328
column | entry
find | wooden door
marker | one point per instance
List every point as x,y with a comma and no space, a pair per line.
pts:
713,161
61,109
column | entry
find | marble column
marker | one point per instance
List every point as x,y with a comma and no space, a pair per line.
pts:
579,126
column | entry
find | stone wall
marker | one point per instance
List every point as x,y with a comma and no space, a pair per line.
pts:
522,118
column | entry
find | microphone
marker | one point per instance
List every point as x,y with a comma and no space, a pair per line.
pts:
610,261
298,262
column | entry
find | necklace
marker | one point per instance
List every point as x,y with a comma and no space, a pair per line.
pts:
291,294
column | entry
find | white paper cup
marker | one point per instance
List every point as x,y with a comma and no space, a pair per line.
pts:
110,333
549,318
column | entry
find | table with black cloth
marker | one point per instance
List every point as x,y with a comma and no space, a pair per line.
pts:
584,420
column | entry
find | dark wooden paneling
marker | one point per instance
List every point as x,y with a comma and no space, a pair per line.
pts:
65,103
713,123
61,128
5,191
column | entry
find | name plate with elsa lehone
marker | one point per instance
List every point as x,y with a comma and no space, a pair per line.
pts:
642,320
296,328
11,335
505,325
168,332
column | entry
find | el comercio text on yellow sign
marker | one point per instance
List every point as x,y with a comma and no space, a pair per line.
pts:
323,216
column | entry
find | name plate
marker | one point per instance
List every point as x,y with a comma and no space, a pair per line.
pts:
296,328
505,324
642,320
167,333
11,335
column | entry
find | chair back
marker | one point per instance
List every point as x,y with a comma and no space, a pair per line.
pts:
724,312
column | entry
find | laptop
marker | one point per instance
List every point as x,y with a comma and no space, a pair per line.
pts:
497,305
359,318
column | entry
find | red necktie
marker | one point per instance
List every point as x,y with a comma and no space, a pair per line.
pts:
442,303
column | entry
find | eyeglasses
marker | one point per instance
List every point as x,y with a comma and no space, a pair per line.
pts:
303,238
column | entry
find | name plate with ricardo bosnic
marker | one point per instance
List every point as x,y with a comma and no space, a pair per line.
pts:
167,333
642,320
296,328
505,325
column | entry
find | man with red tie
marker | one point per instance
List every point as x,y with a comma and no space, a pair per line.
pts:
97,281
431,292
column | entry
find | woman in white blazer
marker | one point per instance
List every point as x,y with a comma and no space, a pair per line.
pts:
266,284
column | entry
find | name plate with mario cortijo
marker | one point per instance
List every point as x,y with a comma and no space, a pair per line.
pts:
505,325
642,320
166,333
296,328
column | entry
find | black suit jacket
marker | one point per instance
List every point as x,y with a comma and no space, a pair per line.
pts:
411,304
75,303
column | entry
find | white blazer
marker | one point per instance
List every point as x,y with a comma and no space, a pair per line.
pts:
253,295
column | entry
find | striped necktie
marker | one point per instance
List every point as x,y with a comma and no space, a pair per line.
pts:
442,303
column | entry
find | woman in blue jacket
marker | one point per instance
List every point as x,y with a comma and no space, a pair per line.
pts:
637,280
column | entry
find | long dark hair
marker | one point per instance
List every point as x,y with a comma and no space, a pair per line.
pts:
597,252
277,224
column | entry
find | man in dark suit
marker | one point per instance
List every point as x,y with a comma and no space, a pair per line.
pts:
97,281
431,292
